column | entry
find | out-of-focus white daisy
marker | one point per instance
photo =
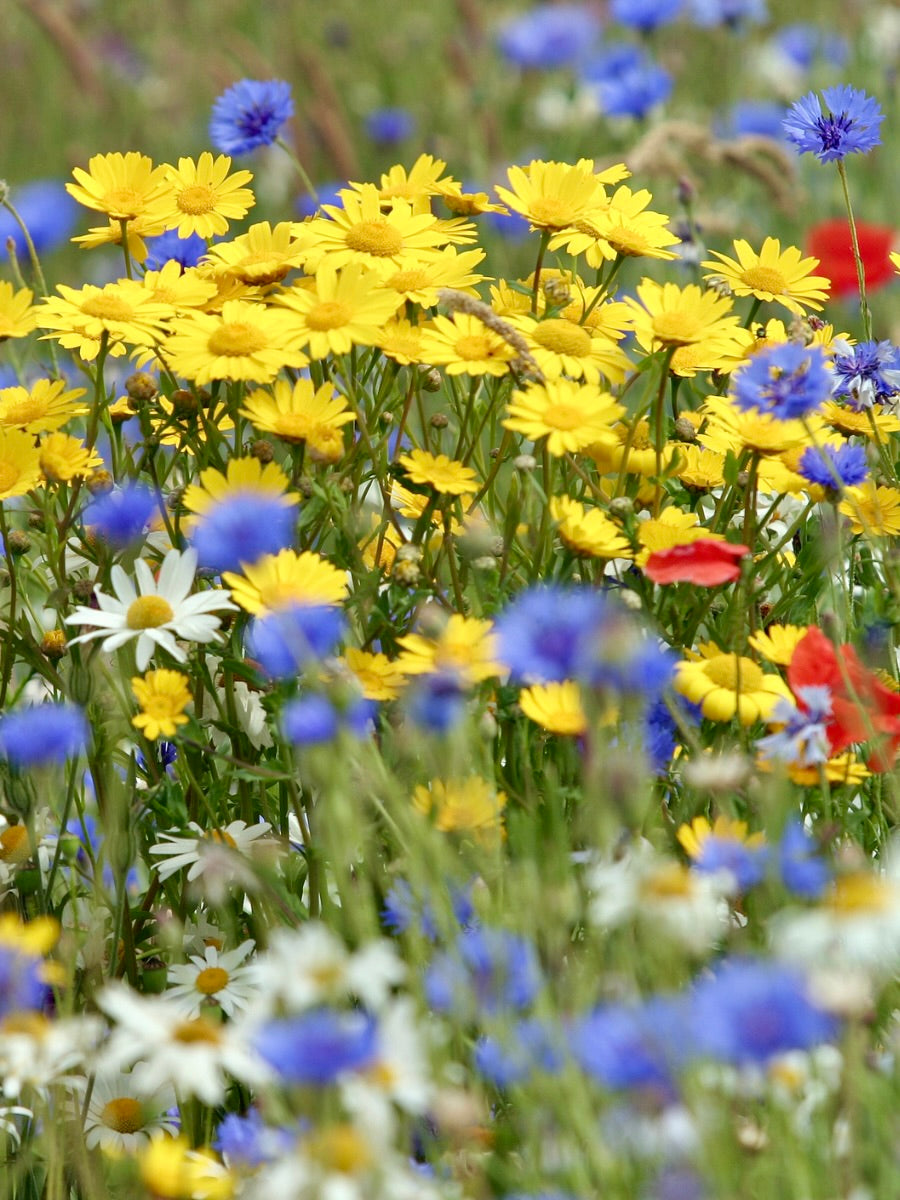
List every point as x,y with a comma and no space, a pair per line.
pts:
175,851
252,718
118,1119
35,1051
214,977
156,612
192,1054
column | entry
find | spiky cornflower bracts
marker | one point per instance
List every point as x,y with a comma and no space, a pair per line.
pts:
865,374
847,124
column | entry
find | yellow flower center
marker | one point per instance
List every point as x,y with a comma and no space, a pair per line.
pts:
860,892
764,279
14,846
409,281
235,339
9,476
149,612
222,838
26,1024
124,1115
562,337
473,347
627,241
26,410
676,328
211,980
107,308
340,1148
197,199
668,882
190,1033
733,672
550,212
328,314
124,203
375,237
563,416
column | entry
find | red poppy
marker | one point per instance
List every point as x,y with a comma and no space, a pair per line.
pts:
705,562
862,708
829,241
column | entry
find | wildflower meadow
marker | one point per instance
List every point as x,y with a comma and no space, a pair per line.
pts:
450,602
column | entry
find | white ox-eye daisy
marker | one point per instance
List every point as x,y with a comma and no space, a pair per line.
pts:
118,1119
237,838
214,977
155,613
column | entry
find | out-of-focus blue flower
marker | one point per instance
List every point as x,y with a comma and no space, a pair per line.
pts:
752,1010
803,738
250,114
388,126
488,971
187,252
318,1046
248,1141
403,910
627,82
312,720
848,123
285,641
866,374
524,1048
732,13
21,986
49,212
120,517
803,45
753,118
744,862
834,468
631,1046
550,35
509,226
677,1182
802,869
85,831
241,528
644,14
436,702
46,733
787,381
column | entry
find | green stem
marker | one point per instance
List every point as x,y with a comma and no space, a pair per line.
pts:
304,178
535,291
857,257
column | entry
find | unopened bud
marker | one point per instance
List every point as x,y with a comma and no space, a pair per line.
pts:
439,421
18,541
685,430
430,379
99,483
83,589
525,462
622,506
53,644
35,520
140,386
184,403
262,450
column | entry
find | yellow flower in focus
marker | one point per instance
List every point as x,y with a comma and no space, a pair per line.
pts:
729,685
246,341
464,345
205,197
588,530
463,806
123,311
871,422
401,341
417,185
338,310
466,646
420,283
556,707
699,469
672,527
873,511
300,412
124,186
379,677
731,428
666,315
554,195
782,276
560,347
45,406
17,316
111,234
445,475
465,204
778,642
181,290
572,416
261,256
20,463
163,696
63,458
623,226
281,580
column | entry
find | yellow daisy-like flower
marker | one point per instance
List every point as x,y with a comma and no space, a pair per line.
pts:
183,291
17,316
205,197
843,768
694,836
37,937
609,318
125,312
560,347
45,406
556,707
284,579
554,195
778,643
464,345
417,185
731,428
729,685
401,340
466,204
449,268
300,413
623,226
570,415
666,315
867,423
631,449
111,234
63,458
163,696
339,309
124,186
260,256
588,530
241,476
445,475
466,646
873,511
380,677
782,276
671,528
246,341
20,463
463,806
699,469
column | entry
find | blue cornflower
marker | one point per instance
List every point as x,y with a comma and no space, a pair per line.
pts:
250,114
803,740
21,987
803,871
488,971
550,35
847,125
89,837
248,1141
328,193
751,1010
866,374
644,14
312,720
187,252
633,89
525,1047
318,1046
286,640
786,381
388,126
45,733
402,910
803,44
832,468
49,212
436,702
627,1046
756,118
120,517
242,528
732,13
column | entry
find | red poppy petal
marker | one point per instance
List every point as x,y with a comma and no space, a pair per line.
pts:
830,242
705,562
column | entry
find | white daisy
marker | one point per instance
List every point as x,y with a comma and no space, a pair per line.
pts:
35,1051
176,851
161,610
118,1119
214,977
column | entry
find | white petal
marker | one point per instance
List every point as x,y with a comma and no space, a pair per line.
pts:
123,586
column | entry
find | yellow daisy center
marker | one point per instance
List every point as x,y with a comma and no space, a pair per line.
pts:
124,202
764,279
211,980
222,837
562,337
197,199
237,339
627,241
563,416
192,1032
473,347
149,612
860,893
375,237
409,281
549,211
107,308
124,1115
340,1148
328,314
14,845
676,328
9,476
670,881
733,672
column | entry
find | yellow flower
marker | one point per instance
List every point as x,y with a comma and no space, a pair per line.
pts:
874,511
163,696
463,806
45,406
843,768
778,643
338,310
379,677
17,316
631,447
464,345
588,531
246,341
870,423
401,341
560,347
666,315
20,463
205,197
281,580
63,458
260,256
731,428
125,312
699,469
466,646
729,685
554,195
556,707
300,413
449,268
135,231
417,185
570,415
623,226
170,1170
722,353
241,476
694,836
124,186
671,528
773,274
37,937
181,290
444,474
465,204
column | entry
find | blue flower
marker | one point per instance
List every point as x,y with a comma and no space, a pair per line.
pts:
21,986
328,193
248,1142
403,910
287,640
168,246
803,871
635,90
250,114
241,529
644,14
803,738
525,1047
755,118
46,733
318,1046
313,720
803,44
550,35
751,1010
744,862
786,381
848,124
388,126
631,1046
832,468
488,971
436,702
120,517
867,373
49,212
732,13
